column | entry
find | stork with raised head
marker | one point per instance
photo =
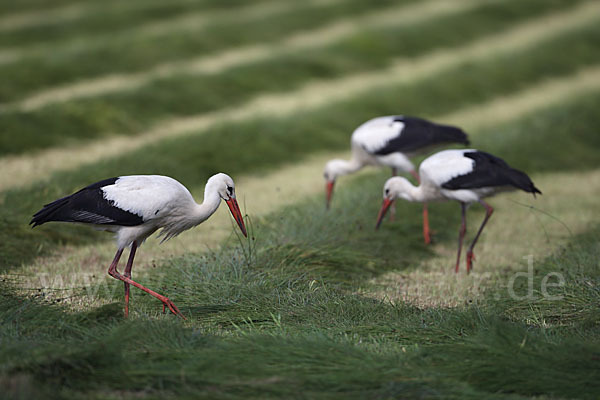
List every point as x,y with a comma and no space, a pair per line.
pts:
389,142
136,206
466,176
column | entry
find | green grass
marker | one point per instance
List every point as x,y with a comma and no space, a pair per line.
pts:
119,16
28,6
138,53
285,321
133,112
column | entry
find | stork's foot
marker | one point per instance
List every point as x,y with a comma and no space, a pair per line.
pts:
470,259
427,236
171,306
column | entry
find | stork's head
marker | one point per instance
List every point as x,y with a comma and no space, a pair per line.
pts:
333,169
396,187
223,184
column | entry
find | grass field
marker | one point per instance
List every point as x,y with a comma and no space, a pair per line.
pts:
314,304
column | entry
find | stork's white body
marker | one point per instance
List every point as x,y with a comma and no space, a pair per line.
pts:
162,202
374,135
442,167
390,141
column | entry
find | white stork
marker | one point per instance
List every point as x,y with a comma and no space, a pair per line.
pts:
134,207
390,141
466,176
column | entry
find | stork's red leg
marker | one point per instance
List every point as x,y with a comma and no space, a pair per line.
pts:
127,273
461,233
112,271
426,230
488,213
426,234
393,206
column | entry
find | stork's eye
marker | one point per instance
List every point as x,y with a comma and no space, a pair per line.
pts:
387,191
230,189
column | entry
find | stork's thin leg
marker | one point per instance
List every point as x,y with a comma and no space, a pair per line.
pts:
127,273
426,234
112,271
393,206
488,213
426,230
461,233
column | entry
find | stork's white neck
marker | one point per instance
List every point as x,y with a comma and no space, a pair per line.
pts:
417,193
345,167
209,205
407,191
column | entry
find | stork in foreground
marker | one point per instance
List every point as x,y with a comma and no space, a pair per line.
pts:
466,176
134,207
390,141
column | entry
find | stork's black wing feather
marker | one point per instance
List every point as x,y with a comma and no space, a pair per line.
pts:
87,206
419,134
490,171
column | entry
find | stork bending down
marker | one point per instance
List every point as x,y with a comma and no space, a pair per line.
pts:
134,207
466,176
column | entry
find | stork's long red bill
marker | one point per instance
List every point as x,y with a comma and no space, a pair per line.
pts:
237,214
384,207
329,191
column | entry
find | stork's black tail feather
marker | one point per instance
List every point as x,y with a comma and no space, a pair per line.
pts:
48,212
490,171
85,205
522,181
452,134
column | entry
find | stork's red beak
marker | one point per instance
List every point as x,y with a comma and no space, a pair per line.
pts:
329,192
237,214
384,207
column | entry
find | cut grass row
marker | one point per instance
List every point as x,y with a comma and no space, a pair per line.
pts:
11,9
138,53
181,96
193,21
411,14
28,21
305,40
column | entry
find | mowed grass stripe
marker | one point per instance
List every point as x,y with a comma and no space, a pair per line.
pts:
181,95
125,56
265,192
34,10
24,170
35,17
229,58
187,21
